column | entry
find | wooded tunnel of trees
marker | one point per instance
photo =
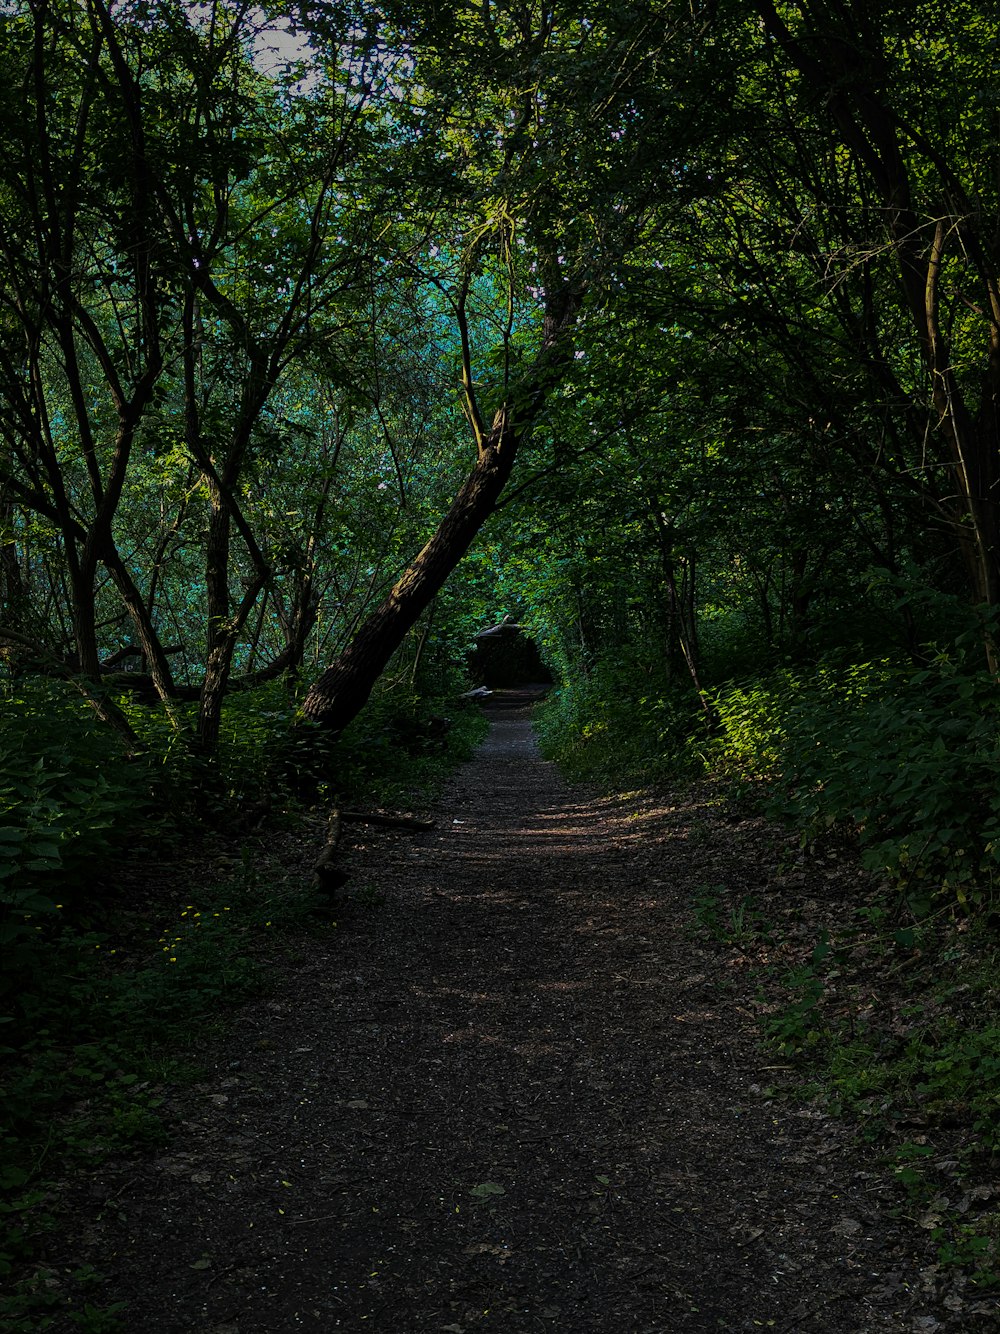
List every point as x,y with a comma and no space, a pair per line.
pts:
670,330
333,335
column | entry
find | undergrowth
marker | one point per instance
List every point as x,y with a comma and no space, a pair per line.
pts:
104,999
902,761
896,1027
889,1012
87,1055
614,726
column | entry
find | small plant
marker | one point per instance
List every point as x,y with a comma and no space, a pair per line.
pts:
799,1024
974,1247
706,906
911,1161
744,923
368,897
739,925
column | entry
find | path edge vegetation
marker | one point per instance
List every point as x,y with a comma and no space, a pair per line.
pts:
870,937
110,1000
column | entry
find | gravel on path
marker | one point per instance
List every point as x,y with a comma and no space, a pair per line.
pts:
512,1092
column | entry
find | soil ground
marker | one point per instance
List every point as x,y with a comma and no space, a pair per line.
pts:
513,1091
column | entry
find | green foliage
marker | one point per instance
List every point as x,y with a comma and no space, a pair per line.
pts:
971,1246
903,759
100,1005
68,800
402,744
100,1017
936,1065
48,1299
752,721
736,925
799,1025
101,1000
89,1046
618,724
896,1028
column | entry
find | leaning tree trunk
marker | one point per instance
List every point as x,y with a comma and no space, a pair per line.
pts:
343,689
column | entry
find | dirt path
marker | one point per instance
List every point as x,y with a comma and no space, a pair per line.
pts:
516,1095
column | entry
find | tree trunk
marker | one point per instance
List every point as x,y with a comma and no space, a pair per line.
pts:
152,649
341,692
218,654
343,689
13,596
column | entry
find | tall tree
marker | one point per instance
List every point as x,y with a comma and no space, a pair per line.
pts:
543,133
908,90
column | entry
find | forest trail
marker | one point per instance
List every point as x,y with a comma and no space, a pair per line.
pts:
514,1091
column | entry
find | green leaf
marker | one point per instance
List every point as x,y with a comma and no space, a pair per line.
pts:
486,1189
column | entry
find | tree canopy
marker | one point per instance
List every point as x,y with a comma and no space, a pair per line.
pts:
328,339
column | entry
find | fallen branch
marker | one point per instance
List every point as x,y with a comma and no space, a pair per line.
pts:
329,877
389,821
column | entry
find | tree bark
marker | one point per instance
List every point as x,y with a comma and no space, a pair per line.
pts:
340,693
343,689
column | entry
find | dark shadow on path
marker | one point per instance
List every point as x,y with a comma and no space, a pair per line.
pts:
510,1099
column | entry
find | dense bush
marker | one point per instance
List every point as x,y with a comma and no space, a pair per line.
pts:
906,760
400,744
618,724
